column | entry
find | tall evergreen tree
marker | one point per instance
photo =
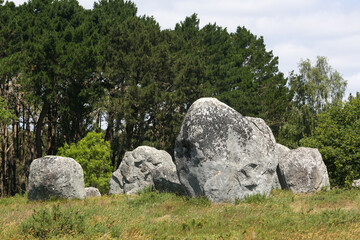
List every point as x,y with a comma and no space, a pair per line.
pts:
254,86
59,67
63,69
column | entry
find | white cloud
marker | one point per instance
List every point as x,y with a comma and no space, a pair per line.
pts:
247,7
290,55
354,84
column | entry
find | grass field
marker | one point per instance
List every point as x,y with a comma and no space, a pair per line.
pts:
150,215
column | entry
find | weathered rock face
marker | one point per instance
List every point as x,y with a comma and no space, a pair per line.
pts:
55,176
92,192
302,170
279,181
276,182
223,155
143,167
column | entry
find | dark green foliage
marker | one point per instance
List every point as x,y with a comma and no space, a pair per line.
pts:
315,88
66,71
254,85
57,221
6,115
336,135
93,154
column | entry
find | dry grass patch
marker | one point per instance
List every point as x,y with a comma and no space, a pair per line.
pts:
327,200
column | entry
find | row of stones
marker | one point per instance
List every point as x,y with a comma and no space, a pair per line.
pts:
219,154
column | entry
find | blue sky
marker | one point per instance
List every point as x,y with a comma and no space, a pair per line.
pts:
292,29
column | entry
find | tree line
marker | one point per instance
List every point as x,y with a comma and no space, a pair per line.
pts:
66,71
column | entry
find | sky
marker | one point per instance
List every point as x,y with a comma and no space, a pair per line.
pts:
294,30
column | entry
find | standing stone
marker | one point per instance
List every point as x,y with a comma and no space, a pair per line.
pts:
92,192
222,155
55,176
143,167
260,123
303,170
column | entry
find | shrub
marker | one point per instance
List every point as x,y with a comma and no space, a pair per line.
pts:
146,196
201,201
93,154
256,198
46,223
337,137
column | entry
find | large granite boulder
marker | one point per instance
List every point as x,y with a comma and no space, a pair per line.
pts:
92,192
223,155
145,166
302,170
55,176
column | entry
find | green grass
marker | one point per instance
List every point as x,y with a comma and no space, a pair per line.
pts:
151,215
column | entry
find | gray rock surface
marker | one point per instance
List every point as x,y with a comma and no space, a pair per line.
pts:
92,192
166,180
145,166
303,170
279,181
55,176
222,155
356,183
276,182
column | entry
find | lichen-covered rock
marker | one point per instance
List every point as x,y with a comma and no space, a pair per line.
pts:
281,151
92,192
55,176
144,167
222,155
303,170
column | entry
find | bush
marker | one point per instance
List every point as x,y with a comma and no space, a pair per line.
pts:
148,196
337,137
257,199
93,154
201,201
47,223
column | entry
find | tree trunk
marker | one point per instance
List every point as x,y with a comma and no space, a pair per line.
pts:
15,153
52,130
109,136
4,163
28,153
38,130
